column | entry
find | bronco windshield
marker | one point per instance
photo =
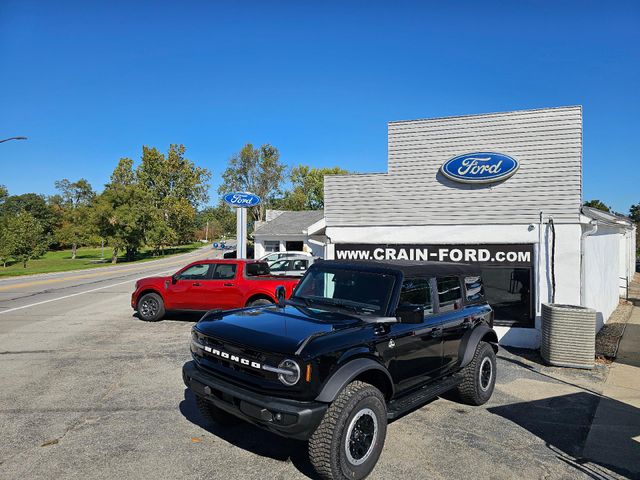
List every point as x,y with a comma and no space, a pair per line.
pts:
364,293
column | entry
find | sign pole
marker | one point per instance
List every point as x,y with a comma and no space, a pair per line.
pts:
241,201
241,232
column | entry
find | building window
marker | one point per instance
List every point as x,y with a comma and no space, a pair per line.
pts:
271,246
508,291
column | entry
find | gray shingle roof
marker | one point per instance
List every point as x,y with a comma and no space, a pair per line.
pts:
290,223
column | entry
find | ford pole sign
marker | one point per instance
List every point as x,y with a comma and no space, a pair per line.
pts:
480,167
241,199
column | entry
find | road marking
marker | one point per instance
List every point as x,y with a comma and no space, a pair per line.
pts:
74,294
84,276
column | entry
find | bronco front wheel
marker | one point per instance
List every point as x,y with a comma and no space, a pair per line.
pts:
349,440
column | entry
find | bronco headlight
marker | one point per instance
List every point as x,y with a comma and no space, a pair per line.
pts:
293,372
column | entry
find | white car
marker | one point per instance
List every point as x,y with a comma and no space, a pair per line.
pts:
291,266
272,257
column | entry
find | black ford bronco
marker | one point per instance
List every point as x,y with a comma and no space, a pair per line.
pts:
356,345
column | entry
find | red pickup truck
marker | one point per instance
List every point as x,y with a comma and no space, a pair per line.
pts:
209,284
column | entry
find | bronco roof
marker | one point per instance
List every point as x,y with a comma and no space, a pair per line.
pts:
410,267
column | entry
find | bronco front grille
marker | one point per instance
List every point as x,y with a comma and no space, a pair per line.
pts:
225,356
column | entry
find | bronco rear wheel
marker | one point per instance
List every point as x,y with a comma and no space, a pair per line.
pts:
349,440
479,377
151,307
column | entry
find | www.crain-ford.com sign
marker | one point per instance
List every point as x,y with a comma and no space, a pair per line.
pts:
241,199
480,167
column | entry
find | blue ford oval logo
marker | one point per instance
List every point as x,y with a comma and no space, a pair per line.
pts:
480,167
241,199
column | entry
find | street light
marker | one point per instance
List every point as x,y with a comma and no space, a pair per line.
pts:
13,138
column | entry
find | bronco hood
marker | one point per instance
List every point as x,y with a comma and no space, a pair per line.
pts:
273,329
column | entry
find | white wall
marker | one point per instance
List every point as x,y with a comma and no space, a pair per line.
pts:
602,272
315,243
567,257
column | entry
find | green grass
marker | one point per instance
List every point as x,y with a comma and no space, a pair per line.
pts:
60,260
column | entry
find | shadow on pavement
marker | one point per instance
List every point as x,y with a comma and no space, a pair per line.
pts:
250,438
631,332
564,422
178,316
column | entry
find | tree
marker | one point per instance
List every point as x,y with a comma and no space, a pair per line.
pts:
5,247
634,213
308,188
25,237
123,174
176,186
32,203
75,201
123,212
258,171
597,204
221,221
4,193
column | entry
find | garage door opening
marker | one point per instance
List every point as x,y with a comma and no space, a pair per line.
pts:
294,246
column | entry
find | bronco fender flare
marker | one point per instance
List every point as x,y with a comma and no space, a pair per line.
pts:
471,340
345,374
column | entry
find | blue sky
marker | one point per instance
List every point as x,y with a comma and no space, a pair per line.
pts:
91,82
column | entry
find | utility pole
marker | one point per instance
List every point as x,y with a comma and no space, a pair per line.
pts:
206,233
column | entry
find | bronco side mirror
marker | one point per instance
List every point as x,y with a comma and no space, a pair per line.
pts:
174,278
410,313
281,295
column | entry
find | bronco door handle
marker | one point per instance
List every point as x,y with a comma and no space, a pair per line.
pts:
228,284
436,332
196,284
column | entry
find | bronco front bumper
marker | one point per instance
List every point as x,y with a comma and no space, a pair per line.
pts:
289,418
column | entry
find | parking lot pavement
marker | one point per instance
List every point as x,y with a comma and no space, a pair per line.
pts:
89,391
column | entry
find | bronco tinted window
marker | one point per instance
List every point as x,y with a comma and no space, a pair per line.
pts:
473,289
449,293
417,291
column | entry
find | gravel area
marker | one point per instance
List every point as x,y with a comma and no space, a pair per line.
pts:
609,336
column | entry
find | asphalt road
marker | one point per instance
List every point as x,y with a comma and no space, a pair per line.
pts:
89,391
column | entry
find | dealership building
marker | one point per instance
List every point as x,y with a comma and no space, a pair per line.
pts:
501,190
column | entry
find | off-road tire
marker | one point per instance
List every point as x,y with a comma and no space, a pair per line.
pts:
473,390
146,312
259,302
327,445
213,414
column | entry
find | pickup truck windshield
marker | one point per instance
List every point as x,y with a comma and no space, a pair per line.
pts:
361,292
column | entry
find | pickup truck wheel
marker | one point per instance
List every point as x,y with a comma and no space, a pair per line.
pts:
479,377
151,307
349,440
259,301
213,414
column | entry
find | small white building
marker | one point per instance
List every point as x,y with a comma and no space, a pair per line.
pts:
526,229
293,231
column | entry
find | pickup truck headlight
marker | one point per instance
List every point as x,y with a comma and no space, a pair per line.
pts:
293,375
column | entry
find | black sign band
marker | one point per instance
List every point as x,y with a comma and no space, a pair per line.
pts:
486,254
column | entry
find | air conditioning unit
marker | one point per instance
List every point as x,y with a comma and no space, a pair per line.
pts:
568,335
